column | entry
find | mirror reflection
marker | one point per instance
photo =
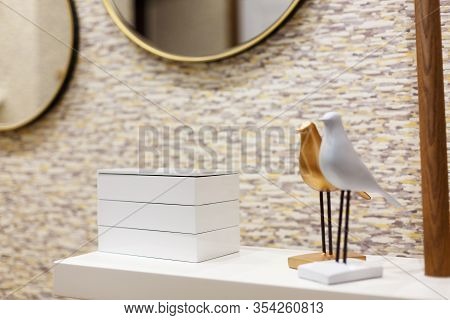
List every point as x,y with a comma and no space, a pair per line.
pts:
199,27
34,61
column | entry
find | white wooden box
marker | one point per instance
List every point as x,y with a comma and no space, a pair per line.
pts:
169,245
163,217
167,186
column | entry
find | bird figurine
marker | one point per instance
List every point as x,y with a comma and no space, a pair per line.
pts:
342,166
310,141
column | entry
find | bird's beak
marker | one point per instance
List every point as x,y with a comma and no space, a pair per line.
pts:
322,119
305,126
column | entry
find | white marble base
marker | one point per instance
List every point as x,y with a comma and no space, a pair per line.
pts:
331,272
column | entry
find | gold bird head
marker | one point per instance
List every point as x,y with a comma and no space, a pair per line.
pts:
306,127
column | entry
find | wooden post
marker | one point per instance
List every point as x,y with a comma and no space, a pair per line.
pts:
433,144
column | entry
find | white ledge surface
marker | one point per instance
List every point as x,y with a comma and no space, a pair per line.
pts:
253,273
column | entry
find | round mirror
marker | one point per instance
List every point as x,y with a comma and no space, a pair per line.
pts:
36,57
198,30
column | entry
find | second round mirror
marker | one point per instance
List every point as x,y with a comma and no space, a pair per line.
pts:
198,30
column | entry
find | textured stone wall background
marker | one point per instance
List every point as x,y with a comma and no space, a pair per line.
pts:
366,48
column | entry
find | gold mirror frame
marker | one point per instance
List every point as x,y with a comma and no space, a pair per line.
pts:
109,5
70,66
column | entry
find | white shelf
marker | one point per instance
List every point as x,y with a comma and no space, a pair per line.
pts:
254,273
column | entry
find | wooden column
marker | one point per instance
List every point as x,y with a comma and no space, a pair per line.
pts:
433,142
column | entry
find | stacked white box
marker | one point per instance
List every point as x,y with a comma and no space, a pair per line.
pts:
170,214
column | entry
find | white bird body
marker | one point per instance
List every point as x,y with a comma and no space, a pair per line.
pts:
341,165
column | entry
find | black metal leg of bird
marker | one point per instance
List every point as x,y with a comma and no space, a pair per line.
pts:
338,245
347,211
330,231
322,223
